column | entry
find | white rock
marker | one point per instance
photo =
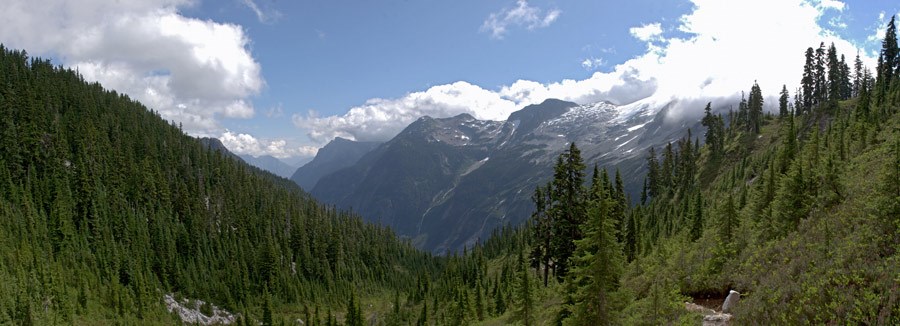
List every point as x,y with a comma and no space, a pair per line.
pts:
730,301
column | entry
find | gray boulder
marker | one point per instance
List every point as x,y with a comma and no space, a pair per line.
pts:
731,301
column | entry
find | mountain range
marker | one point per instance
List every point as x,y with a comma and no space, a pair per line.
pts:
271,164
446,183
337,154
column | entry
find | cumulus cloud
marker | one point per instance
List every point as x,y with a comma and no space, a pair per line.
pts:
646,32
191,71
729,45
240,143
522,15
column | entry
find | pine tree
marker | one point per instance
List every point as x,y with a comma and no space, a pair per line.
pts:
653,174
755,109
743,115
568,208
808,83
821,76
834,77
267,307
479,302
542,228
728,220
890,55
783,102
667,170
354,312
845,79
697,218
631,234
597,268
525,297
423,316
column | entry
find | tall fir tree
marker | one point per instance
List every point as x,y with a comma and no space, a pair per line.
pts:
598,264
755,109
808,83
783,102
524,293
567,207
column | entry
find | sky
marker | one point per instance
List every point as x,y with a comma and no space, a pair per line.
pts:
283,78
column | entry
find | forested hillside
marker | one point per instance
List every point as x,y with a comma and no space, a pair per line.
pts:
105,207
799,211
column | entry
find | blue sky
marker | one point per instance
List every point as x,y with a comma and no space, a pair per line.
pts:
284,77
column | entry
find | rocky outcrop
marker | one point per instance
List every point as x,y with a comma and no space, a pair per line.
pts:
717,319
712,317
191,312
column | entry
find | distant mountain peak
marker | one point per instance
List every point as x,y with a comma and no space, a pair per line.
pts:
339,153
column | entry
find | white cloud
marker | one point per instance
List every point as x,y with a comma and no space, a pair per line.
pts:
592,63
831,4
730,44
247,144
646,32
276,111
522,14
192,71
264,15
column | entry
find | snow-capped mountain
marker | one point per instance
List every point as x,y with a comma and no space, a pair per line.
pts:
446,183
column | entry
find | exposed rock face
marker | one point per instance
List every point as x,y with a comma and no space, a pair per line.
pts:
190,312
730,301
717,319
693,307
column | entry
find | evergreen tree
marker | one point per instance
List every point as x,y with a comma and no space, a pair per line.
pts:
835,80
727,221
821,75
845,79
423,316
354,312
783,102
542,226
743,115
697,218
653,174
479,302
267,308
597,268
525,297
567,207
890,55
808,83
755,109
631,234
857,75
667,170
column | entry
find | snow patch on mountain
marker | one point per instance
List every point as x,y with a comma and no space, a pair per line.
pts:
474,166
631,129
